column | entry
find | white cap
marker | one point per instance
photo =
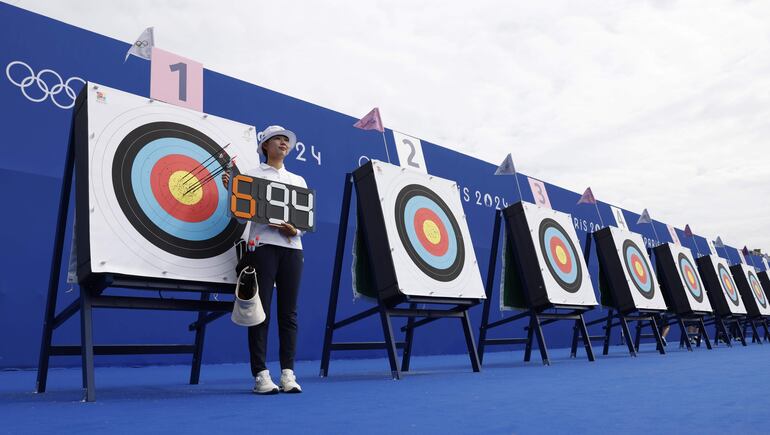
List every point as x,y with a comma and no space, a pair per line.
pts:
275,130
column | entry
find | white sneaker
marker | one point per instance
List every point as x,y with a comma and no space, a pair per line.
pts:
264,384
289,382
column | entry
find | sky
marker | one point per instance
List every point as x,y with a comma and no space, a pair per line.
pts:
663,105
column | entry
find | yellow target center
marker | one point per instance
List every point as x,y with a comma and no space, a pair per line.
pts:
431,231
690,277
179,183
561,255
639,269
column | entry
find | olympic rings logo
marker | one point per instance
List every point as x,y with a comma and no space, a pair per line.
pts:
142,43
53,90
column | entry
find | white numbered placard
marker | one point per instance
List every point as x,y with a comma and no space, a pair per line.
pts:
410,152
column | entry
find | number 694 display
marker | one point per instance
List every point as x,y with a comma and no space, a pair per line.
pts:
270,202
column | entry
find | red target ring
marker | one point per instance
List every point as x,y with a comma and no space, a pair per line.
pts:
431,232
559,252
178,172
639,269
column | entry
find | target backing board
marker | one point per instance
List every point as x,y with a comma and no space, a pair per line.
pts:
720,285
149,202
549,257
682,286
751,290
416,233
764,279
627,268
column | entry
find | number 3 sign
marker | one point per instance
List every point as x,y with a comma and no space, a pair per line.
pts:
539,193
176,80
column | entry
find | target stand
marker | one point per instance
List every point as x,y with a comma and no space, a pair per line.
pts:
756,301
628,287
729,309
136,230
526,284
684,293
417,249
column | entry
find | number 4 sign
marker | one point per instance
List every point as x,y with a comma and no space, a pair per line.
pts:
176,80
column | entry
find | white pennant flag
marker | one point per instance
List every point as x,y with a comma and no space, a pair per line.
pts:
142,47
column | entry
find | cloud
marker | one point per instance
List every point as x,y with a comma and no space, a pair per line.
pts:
663,105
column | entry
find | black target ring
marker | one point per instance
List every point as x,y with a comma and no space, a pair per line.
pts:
447,265
122,168
635,262
551,231
690,277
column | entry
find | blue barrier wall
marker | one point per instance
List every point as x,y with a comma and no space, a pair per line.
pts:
35,131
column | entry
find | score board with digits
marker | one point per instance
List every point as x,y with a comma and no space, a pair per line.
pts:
270,202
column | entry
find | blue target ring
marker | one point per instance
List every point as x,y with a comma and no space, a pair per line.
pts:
571,274
144,162
690,277
414,201
560,255
638,269
728,285
410,210
212,231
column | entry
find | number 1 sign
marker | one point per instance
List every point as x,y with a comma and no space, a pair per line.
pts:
176,80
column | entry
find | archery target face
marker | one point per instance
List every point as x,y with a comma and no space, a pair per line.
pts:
641,279
429,238
688,275
755,288
560,257
727,283
157,206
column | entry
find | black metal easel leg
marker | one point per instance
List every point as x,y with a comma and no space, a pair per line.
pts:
87,344
608,333
407,355
573,348
704,334
638,337
337,272
581,323
55,270
540,338
660,347
720,327
530,337
741,335
390,342
200,334
684,337
754,332
489,284
472,354
627,333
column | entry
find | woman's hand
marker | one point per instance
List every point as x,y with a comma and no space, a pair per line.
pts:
286,229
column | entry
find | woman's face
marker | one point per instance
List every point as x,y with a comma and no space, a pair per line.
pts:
277,147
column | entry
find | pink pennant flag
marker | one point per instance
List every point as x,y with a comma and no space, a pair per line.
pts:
371,121
745,251
687,231
587,198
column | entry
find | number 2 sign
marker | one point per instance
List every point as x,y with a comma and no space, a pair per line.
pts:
176,80
410,152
